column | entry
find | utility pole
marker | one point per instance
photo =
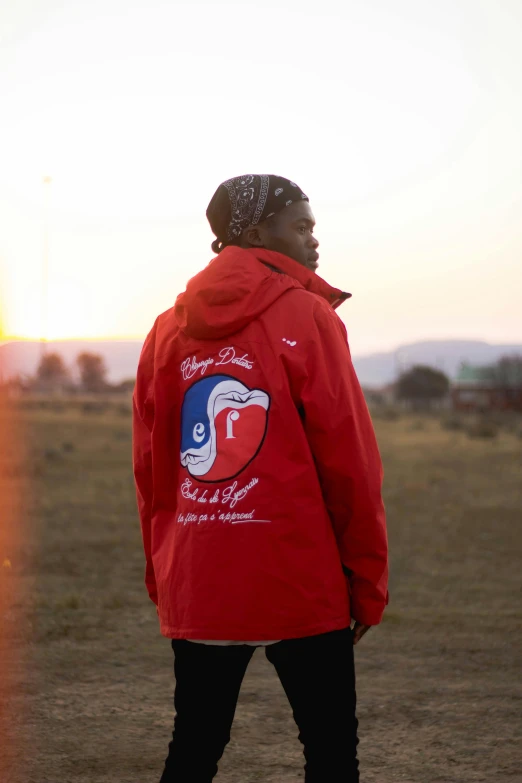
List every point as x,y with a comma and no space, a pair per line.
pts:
45,267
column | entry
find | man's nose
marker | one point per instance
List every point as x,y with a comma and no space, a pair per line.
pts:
313,242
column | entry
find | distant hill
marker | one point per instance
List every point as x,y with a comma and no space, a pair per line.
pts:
374,370
379,369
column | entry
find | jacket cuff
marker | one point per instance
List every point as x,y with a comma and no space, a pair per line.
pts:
368,612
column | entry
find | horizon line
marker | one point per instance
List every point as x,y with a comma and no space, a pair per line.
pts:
140,338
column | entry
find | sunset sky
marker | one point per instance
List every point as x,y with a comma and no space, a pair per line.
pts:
401,120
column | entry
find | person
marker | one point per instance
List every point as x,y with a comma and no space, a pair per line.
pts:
259,485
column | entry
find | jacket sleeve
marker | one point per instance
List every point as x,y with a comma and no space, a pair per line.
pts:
342,440
142,420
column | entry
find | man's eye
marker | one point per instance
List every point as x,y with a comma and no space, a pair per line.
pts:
301,229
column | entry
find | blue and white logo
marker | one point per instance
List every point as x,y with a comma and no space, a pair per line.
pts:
223,425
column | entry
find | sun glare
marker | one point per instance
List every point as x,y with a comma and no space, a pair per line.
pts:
409,147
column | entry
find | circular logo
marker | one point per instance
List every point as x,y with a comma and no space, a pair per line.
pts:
223,425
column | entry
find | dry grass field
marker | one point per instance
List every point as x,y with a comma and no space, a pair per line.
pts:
87,678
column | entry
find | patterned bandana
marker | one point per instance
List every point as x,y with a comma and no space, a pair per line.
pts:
248,200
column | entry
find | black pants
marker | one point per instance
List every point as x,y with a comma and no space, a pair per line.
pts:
318,676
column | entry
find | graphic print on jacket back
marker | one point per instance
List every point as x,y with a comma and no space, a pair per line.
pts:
223,425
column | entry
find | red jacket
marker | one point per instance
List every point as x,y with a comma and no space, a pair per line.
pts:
257,471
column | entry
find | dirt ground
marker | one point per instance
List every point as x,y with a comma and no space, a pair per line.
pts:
88,683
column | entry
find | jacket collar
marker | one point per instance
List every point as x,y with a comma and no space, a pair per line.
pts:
309,280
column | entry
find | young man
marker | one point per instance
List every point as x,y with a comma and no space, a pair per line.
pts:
259,485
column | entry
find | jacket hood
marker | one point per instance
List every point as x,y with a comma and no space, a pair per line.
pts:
238,286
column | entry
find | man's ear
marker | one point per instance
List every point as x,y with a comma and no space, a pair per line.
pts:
252,236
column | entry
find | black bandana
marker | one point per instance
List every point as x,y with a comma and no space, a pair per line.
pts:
248,200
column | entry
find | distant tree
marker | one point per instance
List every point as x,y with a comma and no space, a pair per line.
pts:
93,371
126,385
508,371
422,384
52,369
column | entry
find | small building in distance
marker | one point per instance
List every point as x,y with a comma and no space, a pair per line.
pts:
478,389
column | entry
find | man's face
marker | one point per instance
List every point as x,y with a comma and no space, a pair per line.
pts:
291,232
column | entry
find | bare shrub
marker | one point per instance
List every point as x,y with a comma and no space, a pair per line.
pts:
482,428
452,422
386,413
